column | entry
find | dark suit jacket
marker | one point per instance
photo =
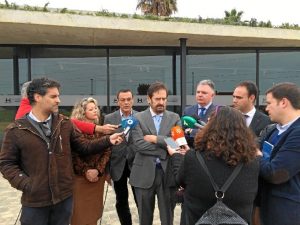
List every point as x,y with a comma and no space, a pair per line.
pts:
259,122
281,174
122,152
144,166
193,112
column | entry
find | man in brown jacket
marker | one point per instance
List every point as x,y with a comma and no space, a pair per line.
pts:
36,156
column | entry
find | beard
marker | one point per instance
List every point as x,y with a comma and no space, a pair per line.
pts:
159,109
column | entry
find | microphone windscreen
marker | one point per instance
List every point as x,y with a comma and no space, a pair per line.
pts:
178,135
128,124
188,121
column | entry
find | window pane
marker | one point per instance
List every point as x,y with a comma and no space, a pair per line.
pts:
276,67
6,71
6,88
225,68
79,71
136,68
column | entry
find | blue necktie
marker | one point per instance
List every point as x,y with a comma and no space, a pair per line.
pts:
202,112
157,120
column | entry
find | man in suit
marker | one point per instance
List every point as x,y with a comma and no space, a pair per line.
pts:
281,169
244,97
205,93
148,172
122,156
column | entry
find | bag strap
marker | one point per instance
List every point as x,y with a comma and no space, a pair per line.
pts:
227,182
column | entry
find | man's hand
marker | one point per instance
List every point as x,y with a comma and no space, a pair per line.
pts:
116,138
151,138
183,149
172,151
106,129
92,175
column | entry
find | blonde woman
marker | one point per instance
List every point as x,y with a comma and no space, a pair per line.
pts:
89,171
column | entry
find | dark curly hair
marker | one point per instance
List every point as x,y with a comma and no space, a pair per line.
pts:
40,86
227,136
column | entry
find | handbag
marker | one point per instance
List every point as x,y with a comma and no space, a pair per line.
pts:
220,213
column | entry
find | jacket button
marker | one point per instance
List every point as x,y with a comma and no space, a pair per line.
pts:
50,153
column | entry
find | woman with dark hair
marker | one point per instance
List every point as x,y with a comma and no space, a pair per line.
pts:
224,142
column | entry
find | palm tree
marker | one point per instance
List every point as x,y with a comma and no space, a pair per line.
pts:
233,16
157,7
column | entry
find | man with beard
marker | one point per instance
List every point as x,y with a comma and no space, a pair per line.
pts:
148,175
36,156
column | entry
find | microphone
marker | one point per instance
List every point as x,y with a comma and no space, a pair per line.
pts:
128,124
198,119
190,122
178,135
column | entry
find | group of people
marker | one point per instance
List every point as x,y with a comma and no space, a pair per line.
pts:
61,164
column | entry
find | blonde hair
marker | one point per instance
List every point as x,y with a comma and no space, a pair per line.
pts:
79,108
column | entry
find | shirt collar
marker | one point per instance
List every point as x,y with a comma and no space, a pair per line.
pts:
122,114
251,112
206,107
154,114
33,117
282,128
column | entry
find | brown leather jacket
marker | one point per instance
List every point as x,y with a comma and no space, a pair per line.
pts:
43,170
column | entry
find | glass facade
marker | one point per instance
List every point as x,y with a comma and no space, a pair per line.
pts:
276,67
225,68
101,72
80,71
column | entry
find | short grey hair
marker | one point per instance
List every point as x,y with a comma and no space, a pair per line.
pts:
24,89
209,83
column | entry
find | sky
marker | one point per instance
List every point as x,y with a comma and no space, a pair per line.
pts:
277,12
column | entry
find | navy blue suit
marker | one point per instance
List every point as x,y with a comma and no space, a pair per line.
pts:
280,203
193,112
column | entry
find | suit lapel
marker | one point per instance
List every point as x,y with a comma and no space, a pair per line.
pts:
255,121
164,122
149,122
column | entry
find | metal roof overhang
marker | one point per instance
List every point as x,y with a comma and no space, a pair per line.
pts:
39,28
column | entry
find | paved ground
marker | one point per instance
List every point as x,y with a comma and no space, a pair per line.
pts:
10,207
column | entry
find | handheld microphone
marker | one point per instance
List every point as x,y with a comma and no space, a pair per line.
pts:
190,122
198,119
178,135
128,124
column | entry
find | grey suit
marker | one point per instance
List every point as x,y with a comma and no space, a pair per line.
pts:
122,152
146,176
120,164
